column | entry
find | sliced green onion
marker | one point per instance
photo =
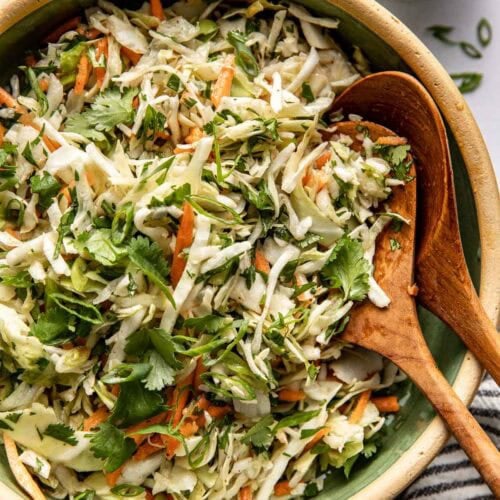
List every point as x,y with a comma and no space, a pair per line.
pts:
122,223
127,372
484,32
127,490
468,82
14,212
470,50
195,199
78,308
244,57
40,95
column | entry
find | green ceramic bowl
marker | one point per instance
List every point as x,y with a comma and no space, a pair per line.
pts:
414,436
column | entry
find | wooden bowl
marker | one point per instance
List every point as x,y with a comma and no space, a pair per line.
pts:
415,436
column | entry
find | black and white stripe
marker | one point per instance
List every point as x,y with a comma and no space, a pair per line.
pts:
451,476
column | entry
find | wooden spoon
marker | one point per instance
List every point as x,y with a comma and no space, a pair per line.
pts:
400,102
394,332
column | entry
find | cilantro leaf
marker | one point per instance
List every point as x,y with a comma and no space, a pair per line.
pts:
148,257
110,109
112,445
134,404
210,323
396,156
53,327
346,268
161,373
369,449
176,197
153,122
260,435
297,418
47,187
100,246
62,433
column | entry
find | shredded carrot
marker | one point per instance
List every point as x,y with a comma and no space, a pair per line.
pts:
245,493
82,76
180,398
112,477
360,407
44,84
101,51
135,102
146,449
132,56
291,395
261,263
92,33
115,389
66,193
157,9
219,411
282,488
180,149
13,233
51,145
98,417
70,24
200,369
203,403
195,134
323,158
184,240
23,477
161,134
30,60
317,438
139,438
7,100
188,428
224,81
386,404
392,140
2,133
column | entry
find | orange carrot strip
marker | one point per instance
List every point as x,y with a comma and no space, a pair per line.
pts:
112,477
198,372
323,158
245,493
282,488
82,76
132,56
7,100
317,438
203,403
195,134
154,445
178,150
224,82
386,404
51,145
360,407
69,25
92,33
188,428
101,50
291,395
219,411
261,263
157,9
13,233
139,438
161,134
184,240
44,84
23,477
98,417
30,60
2,133
115,389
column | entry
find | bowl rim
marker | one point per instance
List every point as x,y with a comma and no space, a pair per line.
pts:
480,171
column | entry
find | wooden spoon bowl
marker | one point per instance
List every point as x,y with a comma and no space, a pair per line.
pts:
401,103
394,332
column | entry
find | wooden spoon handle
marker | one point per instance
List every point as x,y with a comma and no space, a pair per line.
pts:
448,292
473,440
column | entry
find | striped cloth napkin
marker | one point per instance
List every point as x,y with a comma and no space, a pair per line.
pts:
451,476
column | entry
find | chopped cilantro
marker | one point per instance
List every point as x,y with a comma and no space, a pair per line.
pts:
62,433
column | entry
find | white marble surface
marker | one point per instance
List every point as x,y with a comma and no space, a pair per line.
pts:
464,16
